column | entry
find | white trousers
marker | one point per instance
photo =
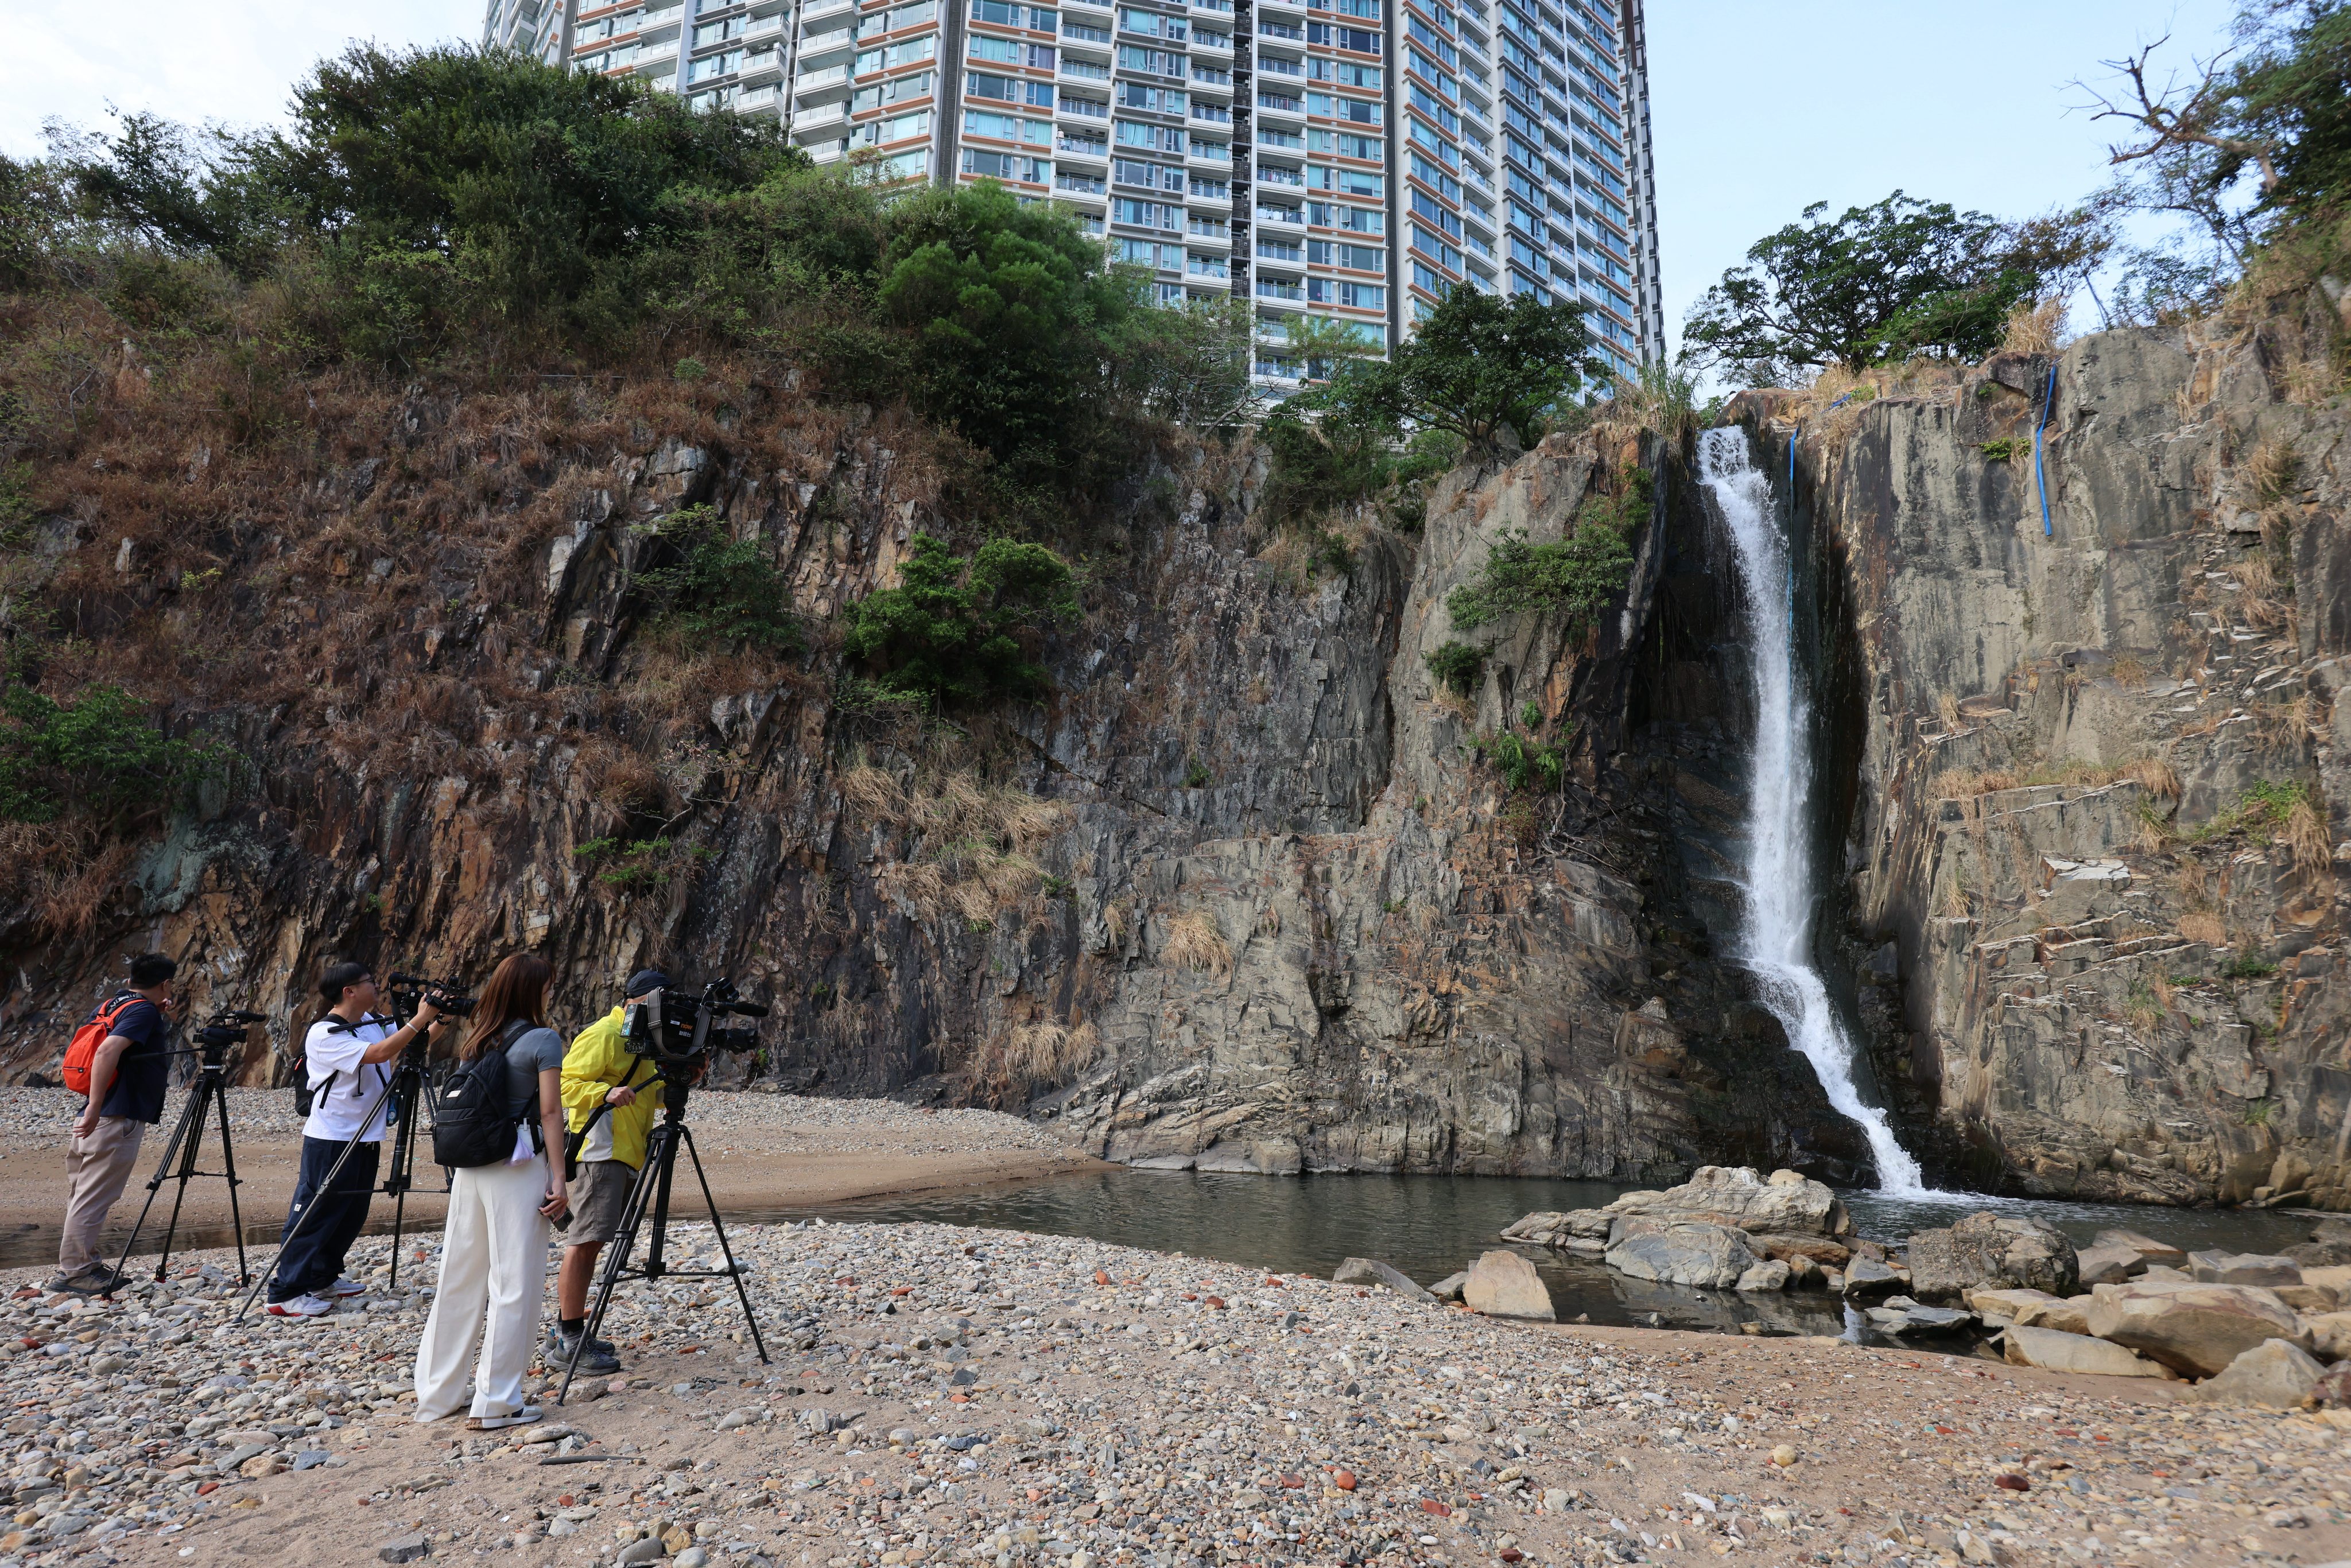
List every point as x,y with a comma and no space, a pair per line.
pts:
493,1266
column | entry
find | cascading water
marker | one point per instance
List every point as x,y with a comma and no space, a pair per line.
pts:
1776,937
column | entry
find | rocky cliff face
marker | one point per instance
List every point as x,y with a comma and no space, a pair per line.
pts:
1238,896
2098,775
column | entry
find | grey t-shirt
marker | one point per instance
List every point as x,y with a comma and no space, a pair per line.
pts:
537,1050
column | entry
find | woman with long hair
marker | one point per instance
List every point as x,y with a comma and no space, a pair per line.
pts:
494,1251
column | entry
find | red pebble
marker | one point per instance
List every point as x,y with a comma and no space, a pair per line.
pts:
1101,1278
2011,1483
207,1488
1217,1302
902,1289
1190,1296
1293,1481
1430,1505
1344,1480
1512,1554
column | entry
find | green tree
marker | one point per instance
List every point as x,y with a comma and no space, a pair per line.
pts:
718,590
952,633
1478,365
1577,577
96,755
1899,276
1012,314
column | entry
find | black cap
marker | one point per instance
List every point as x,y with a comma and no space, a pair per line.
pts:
645,980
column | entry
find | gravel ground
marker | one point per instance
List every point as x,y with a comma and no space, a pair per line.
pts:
953,1396
41,1120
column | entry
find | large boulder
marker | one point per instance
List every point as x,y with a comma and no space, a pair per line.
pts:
2274,1375
1582,1230
1502,1284
2192,1328
2329,1247
2217,1267
2010,1304
1709,1256
2076,1352
1999,1251
1768,1275
1372,1271
2106,1265
1734,1196
1825,1250
2071,1316
1865,1276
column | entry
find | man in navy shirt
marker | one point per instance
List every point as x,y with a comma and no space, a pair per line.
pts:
126,1080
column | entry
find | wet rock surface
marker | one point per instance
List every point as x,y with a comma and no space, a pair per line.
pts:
951,1396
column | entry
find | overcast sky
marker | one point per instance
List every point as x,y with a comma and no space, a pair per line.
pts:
1760,110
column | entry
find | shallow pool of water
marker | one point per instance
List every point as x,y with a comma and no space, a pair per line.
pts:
1430,1226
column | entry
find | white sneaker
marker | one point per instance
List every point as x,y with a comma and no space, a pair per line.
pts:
344,1286
301,1307
522,1417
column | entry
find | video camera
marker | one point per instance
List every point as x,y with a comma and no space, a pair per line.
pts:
448,996
675,1030
217,1033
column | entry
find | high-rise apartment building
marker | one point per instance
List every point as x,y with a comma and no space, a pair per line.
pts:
1349,161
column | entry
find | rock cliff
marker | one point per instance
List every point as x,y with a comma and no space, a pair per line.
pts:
2095,802
1238,895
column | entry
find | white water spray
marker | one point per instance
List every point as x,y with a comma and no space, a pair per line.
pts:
1776,940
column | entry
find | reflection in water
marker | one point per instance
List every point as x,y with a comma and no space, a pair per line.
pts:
1430,1226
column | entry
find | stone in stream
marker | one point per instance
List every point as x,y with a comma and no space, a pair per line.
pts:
2105,1265
1372,1271
2076,1352
1502,1284
1582,1230
2191,1328
1770,1275
2330,1334
2217,1267
1709,1257
1735,1197
1448,1289
1993,1250
1823,1251
2275,1375
1868,1277
2146,1250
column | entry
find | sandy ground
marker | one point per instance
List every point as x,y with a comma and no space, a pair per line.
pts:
949,1395
762,1151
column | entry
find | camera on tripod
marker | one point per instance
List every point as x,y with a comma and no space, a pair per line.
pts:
217,1033
448,996
676,1029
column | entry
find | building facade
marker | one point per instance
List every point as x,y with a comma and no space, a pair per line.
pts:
1344,162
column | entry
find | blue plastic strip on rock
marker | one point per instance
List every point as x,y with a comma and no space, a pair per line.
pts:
2040,473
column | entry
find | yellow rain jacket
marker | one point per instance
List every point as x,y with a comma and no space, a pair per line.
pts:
599,1062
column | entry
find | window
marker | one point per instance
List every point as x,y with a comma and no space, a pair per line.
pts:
1085,143
987,47
1150,176
1037,94
717,32
1367,148
1212,38
710,65
1088,184
1206,265
1145,214
1360,41
1367,9
1158,62
1271,29
1143,252
1215,189
1211,148
1424,277
1208,228
1526,256
1005,15
1272,249
1362,258
1151,23
1213,114
1094,106
975,85
1430,175
1093,70
1363,296
1156,99
1425,207
1268,136
1279,100
1073,28
1437,250
913,16
1210,73
1156,137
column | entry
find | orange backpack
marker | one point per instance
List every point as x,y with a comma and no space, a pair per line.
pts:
88,1038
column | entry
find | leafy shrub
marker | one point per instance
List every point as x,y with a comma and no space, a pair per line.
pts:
1523,761
952,632
720,592
2004,450
98,754
1576,576
1458,666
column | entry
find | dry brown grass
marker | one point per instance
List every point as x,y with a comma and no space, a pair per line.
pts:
2157,776
872,792
1947,708
1039,1055
2160,778
2305,835
2035,327
2272,469
1194,943
2203,926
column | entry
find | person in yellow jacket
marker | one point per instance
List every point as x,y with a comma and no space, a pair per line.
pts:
599,1070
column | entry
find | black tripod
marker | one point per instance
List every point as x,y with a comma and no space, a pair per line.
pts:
650,1194
207,1098
403,1090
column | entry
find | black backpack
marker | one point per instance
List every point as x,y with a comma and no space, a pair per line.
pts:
471,1124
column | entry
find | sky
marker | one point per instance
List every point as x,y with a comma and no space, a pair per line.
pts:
1758,108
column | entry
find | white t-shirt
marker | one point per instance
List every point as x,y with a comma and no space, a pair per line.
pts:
333,1052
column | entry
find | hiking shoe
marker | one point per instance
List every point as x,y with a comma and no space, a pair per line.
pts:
301,1307
344,1286
95,1280
595,1356
522,1417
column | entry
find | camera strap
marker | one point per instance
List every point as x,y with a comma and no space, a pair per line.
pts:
578,1140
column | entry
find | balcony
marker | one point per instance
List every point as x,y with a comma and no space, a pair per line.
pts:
812,84
758,101
830,120
762,25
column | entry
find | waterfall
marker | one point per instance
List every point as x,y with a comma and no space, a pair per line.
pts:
1776,936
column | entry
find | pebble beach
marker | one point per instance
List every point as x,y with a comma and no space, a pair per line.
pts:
944,1394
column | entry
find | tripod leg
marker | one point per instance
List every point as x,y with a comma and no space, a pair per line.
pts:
309,1214
190,1115
742,1291
199,1098
228,1167
616,1256
403,1153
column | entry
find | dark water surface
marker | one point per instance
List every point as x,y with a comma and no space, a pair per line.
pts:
1430,1226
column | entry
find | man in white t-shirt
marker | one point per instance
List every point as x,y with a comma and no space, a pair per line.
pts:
347,1057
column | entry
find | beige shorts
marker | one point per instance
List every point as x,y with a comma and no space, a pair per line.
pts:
598,1193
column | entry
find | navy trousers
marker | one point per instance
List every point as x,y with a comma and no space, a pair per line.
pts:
308,1263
